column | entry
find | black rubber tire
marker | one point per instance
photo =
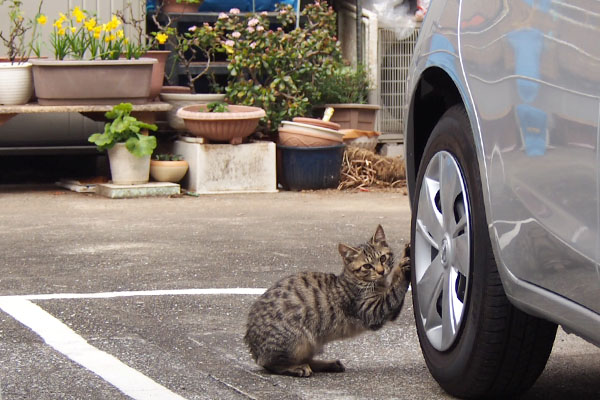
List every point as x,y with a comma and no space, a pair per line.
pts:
499,350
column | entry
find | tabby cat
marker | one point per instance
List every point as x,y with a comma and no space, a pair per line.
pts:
289,324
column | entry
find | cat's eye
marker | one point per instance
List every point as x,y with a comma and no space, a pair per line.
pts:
367,266
383,259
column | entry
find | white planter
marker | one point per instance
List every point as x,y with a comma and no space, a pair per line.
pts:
127,169
16,83
179,100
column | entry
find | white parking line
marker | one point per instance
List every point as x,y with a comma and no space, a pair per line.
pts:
64,340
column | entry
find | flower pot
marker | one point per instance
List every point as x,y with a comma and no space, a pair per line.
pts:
231,126
168,171
307,135
158,71
74,82
171,6
309,168
16,83
355,116
127,169
178,100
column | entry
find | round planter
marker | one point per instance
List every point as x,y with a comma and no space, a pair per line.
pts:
355,116
178,100
158,71
168,171
317,122
16,83
309,168
75,82
363,139
127,169
231,126
306,135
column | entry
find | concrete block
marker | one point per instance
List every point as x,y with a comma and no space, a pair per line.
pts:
144,190
227,168
392,150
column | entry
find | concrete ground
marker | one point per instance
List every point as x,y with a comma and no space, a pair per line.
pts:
110,299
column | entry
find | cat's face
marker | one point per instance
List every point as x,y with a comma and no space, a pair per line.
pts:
368,262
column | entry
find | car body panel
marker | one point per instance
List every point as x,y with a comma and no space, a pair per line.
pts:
527,73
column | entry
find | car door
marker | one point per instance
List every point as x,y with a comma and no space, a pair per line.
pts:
533,72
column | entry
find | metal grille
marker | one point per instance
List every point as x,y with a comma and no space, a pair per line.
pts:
394,60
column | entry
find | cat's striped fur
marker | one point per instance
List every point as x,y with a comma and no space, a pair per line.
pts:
289,324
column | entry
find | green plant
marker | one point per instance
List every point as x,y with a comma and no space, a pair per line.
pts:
345,85
217,107
167,157
15,41
279,69
125,129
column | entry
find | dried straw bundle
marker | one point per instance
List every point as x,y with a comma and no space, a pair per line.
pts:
362,168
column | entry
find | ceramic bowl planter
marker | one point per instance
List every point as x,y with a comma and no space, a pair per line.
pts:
230,126
178,100
307,135
73,82
168,171
16,83
127,169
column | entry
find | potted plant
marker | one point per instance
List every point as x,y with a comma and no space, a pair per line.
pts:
278,67
146,45
16,82
129,149
221,122
197,45
167,167
88,68
346,90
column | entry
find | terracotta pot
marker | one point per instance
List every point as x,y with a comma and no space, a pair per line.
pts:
178,100
16,83
168,171
355,116
171,6
317,122
231,126
158,71
306,135
74,82
127,169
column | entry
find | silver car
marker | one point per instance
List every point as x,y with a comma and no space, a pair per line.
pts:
502,148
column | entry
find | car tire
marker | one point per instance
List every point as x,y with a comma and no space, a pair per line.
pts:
474,341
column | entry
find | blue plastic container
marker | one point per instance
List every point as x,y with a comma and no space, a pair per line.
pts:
309,168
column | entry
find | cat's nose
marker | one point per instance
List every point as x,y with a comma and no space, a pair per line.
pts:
380,270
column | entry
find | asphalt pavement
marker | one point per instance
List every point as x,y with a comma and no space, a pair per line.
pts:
147,298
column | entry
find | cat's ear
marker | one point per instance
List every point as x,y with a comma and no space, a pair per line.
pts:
379,236
348,253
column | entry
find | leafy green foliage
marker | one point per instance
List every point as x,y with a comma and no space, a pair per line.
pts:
167,157
345,85
279,69
217,107
125,129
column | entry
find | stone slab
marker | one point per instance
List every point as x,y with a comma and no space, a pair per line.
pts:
228,168
150,189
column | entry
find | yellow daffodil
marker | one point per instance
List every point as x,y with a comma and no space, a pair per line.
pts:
97,32
73,29
61,31
42,19
162,37
90,24
78,14
110,38
57,24
120,34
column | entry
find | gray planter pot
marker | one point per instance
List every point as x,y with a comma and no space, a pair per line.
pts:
127,169
74,82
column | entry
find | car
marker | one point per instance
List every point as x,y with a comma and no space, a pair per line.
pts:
502,155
